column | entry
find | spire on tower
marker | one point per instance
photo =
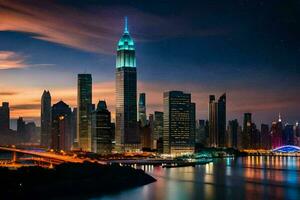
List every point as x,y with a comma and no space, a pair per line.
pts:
279,118
126,25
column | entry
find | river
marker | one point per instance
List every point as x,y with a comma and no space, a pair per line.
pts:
251,177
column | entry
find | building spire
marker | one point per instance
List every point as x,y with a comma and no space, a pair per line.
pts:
126,25
279,117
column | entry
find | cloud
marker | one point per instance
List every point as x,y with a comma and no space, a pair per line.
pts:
11,60
95,29
8,93
25,107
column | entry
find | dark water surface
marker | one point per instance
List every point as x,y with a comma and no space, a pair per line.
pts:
250,177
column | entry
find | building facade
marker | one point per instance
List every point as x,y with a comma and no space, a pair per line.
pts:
46,119
142,110
84,111
178,137
217,121
61,127
127,137
102,130
4,117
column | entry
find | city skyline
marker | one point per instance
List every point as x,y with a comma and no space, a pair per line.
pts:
51,62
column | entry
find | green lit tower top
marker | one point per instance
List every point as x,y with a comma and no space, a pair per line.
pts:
125,50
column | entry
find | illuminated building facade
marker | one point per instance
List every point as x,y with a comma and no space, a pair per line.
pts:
177,136
84,111
102,129
46,119
217,121
127,137
61,126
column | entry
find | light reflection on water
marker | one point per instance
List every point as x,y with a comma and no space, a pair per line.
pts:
251,177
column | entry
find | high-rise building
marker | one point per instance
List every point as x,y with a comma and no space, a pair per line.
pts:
61,126
102,129
74,139
158,127
142,110
246,130
178,137
266,137
217,121
297,134
213,121
288,134
84,111
20,126
127,137
4,117
232,138
46,119
222,121
277,133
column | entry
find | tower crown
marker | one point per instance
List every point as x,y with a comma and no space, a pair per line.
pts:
126,42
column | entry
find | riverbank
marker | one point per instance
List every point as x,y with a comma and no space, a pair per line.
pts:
69,180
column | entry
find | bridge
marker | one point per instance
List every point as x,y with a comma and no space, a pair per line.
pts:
45,157
287,149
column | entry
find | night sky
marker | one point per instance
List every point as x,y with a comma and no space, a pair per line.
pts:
248,49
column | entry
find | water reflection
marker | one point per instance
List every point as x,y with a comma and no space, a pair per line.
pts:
250,177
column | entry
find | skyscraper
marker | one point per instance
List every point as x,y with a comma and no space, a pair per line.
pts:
84,111
61,126
222,121
142,110
217,121
213,121
233,127
102,129
266,137
277,133
127,137
46,119
158,127
4,117
246,130
178,137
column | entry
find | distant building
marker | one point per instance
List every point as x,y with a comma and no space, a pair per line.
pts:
266,137
102,129
4,117
158,127
127,137
217,121
277,133
142,110
84,111
193,122
31,132
288,134
232,133
178,137
74,139
247,127
61,126
46,119
20,126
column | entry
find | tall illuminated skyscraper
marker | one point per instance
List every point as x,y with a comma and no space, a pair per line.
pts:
178,136
217,121
84,111
127,137
46,119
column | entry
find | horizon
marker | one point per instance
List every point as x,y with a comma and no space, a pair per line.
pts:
174,52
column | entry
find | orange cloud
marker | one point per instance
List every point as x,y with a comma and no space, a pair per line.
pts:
11,60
